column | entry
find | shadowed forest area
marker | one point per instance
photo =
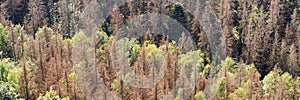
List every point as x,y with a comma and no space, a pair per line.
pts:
37,38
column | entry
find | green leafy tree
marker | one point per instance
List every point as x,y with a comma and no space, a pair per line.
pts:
229,64
5,45
296,88
221,90
152,50
103,42
9,73
51,95
226,82
288,82
135,53
5,92
200,96
195,58
114,85
3,71
130,48
179,94
270,84
242,92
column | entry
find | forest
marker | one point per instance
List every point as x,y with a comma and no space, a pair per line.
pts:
45,55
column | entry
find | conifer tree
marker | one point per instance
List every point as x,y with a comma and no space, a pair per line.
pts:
228,19
36,17
5,45
116,20
271,84
64,17
261,50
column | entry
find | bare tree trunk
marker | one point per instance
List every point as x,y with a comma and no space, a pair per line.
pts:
13,43
294,86
41,65
226,84
24,69
74,90
25,79
56,68
67,82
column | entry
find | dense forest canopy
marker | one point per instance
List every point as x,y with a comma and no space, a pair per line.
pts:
39,38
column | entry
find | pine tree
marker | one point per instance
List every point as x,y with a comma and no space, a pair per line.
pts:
261,47
244,14
25,78
56,50
43,58
64,18
116,21
215,5
293,60
3,20
255,83
229,21
36,17
271,84
5,45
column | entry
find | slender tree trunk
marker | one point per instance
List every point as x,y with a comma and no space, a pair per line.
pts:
67,81
156,94
56,68
24,69
226,84
13,44
155,66
122,71
68,19
294,86
41,65
240,76
74,89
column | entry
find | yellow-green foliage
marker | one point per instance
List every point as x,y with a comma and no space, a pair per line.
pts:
10,73
134,53
4,70
229,64
5,45
51,95
195,59
270,83
179,94
103,42
129,48
289,83
200,96
81,65
80,39
152,50
236,33
6,93
221,88
242,92
297,85
114,85
102,36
